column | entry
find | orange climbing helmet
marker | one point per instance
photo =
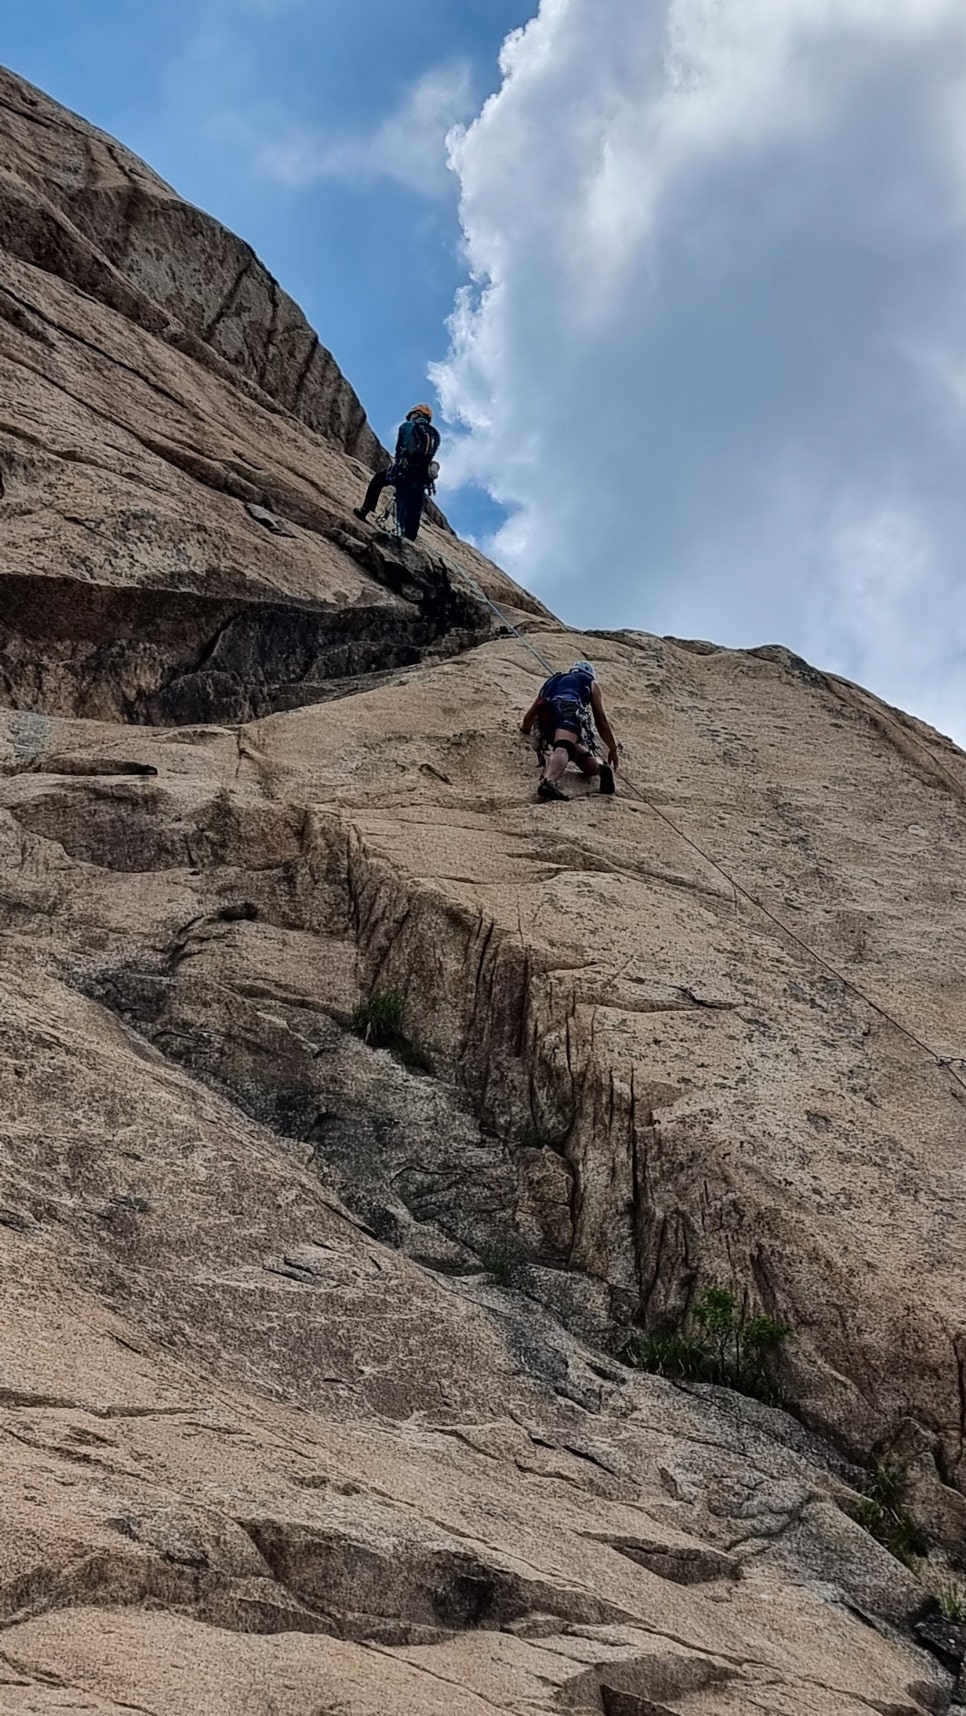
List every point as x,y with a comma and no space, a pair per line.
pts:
421,411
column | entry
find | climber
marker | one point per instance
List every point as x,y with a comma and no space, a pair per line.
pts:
412,473
562,713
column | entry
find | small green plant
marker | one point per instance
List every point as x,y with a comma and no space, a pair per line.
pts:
952,1602
379,1020
673,1355
503,1258
881,1510
870,1515
719,1342
887,1483
534,1137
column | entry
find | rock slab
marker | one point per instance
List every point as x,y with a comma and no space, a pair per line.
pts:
309,1379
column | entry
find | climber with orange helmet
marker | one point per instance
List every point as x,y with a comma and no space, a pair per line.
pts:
412,472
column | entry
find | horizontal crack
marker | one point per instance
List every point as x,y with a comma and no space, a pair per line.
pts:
175,657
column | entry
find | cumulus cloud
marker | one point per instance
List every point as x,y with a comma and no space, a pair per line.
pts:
408,145
710,355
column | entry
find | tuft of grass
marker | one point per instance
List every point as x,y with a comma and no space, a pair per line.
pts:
907,1540
952,1602
379,1019
882,1512
380,1022
871,1516
504,1258
719,1342
887,1482
674,1355
534,1137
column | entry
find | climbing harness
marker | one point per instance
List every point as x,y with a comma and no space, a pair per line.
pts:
947,1063
388,518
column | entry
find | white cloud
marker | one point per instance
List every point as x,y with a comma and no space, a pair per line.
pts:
409,145
709,353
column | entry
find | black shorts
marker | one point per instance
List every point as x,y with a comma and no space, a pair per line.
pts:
548,737
566,714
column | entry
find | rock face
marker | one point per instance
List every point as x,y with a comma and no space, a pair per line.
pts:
77,203
310,1381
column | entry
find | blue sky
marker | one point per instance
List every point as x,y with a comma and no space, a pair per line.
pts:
688,277
243,105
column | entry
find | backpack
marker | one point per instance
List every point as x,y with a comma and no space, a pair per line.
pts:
416,446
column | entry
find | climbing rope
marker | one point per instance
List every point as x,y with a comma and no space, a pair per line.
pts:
948,1063
458,572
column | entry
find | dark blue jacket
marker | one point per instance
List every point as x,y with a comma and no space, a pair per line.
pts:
417,444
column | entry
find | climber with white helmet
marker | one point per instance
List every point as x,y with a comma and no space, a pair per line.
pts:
563,712
412,472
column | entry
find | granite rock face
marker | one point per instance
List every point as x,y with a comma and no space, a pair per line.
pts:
78,204
310,1379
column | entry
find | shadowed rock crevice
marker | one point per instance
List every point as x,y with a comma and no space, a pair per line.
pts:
385,1591
166,658
377,1588
239,1599
254,997
399,1147
356,1581
640,1686
688,1564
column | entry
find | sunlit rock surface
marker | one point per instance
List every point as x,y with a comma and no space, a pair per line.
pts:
310,1384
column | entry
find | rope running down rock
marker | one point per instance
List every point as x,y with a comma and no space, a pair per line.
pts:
947,1063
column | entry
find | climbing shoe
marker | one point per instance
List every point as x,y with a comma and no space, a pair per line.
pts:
359,512
547,790
607,778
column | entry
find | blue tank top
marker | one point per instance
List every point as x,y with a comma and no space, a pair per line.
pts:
568,685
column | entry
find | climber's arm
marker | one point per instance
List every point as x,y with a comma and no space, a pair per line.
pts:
526,725
604,727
